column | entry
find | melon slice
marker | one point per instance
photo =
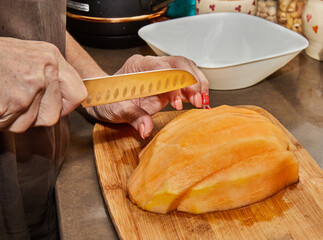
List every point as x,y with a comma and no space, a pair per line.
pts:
242,184
204,143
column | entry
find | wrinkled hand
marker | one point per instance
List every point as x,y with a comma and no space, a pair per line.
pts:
137,112
37,85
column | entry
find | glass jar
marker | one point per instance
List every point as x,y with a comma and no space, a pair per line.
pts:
289,14
267,9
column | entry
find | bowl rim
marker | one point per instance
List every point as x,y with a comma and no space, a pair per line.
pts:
302,45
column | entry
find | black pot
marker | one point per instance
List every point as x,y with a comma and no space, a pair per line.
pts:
112,23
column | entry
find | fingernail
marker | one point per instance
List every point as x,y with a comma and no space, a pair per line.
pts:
192,100
198,100
205,98
172,103
178,103
142,131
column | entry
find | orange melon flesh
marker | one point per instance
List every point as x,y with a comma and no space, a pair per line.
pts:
262,177
195,146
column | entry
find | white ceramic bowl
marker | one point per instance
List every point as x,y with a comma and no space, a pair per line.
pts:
234,50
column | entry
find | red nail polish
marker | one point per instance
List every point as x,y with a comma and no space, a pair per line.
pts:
205,98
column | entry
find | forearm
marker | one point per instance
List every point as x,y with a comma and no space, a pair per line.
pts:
81,61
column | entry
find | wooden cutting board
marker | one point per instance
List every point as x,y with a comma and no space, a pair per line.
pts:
293,213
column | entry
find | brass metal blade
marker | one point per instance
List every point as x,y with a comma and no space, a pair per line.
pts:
118,88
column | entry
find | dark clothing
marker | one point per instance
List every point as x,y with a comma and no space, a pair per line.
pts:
29,165
29,162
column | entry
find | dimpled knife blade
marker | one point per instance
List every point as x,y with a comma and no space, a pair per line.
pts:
122,87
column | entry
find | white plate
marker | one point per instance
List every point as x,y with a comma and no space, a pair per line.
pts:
234,50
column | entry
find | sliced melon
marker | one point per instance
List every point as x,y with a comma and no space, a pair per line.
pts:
201,144
242,184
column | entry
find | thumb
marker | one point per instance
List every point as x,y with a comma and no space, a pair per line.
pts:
139,119
72,88
124,112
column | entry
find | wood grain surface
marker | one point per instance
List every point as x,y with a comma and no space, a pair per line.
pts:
293,213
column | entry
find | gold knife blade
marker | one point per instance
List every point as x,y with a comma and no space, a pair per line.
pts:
122,87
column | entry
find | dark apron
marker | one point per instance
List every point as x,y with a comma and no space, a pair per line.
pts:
29,162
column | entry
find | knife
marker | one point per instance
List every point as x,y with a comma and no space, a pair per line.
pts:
116,88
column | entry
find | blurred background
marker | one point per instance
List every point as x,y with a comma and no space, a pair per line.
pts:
114,24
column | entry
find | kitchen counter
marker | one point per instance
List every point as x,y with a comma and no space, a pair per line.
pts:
293,94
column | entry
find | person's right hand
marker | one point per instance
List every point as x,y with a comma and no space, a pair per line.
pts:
37,85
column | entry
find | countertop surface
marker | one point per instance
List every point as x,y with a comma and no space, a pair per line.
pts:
293,94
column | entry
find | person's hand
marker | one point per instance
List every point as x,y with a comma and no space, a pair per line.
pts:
137,112
37,85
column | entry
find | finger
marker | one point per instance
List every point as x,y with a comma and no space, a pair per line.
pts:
193,92
24,120
51,103
124,112
174,98
22,104
72,88
130,112
145,125
202,100
154,63
203,83
139,63
137,117
152,104
201,77
204,88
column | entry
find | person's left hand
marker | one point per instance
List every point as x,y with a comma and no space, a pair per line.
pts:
137,112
